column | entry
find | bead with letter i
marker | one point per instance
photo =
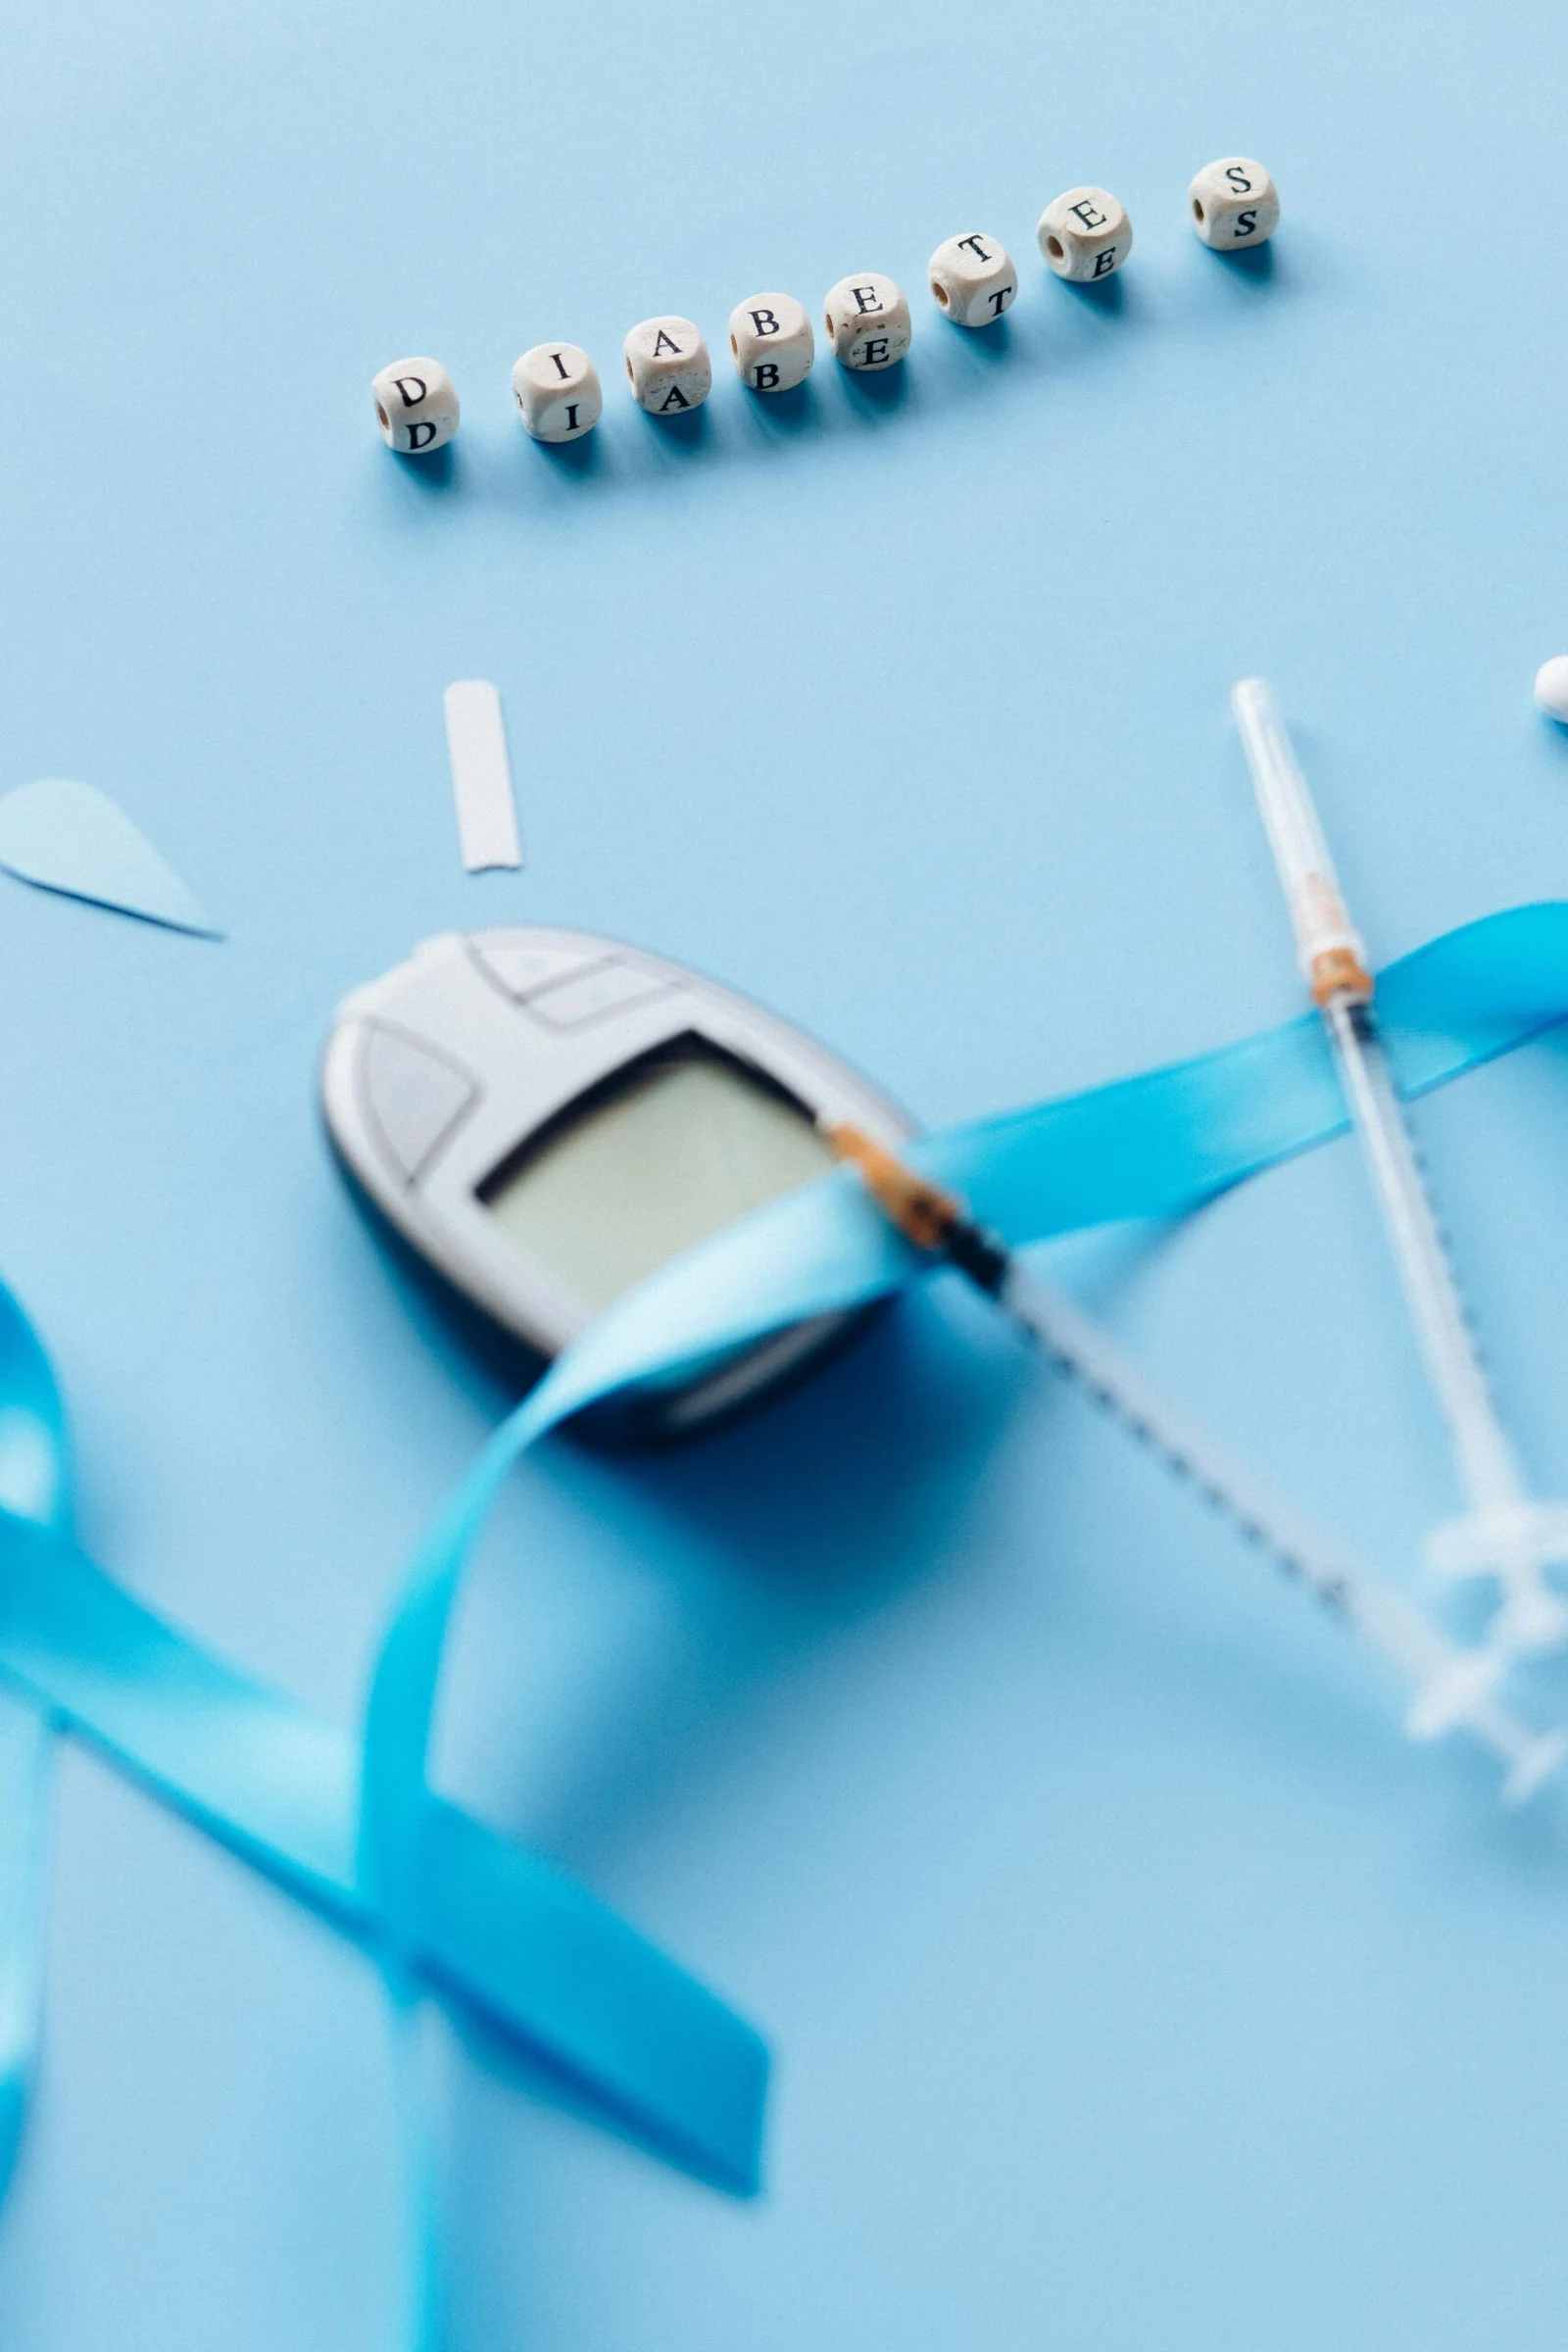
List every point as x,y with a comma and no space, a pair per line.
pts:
972,278
771,343
868,322
1234,204
415,407
667,367
556,387
1085,234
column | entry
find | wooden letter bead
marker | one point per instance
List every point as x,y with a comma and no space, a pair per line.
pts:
868,322
973,279
1085,234
771,341
557,390
415,405
1234,203
667,367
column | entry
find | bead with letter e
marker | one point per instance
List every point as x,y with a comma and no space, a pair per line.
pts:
868,322
1085,234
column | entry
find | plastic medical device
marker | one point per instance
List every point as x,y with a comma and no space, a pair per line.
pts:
1505,1533
544,1117
1453,1686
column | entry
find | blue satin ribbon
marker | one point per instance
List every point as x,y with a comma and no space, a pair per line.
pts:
447,1907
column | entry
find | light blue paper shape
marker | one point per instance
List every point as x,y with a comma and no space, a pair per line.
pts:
73,838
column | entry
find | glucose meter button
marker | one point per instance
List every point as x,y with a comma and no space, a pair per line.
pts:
607,988
413,1096
518,969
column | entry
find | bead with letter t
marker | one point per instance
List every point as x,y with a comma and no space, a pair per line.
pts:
1234,204
1085,234
415,405
771,342
868,322
667,367
556,387
972,278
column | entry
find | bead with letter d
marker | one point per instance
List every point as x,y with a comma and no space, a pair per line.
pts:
415,407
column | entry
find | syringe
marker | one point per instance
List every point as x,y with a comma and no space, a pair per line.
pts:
1453,1686
1504,1533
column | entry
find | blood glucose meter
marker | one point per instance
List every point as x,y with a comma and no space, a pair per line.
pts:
545,1117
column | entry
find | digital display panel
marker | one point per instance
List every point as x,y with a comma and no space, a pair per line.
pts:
664,1153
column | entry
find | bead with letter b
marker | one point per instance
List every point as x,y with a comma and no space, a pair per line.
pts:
1234,203
868,322
1085,234
415,405
556,387
771,342
667,367
972,278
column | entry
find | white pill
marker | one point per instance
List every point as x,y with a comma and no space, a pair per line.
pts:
1551,686
771,342
972,278
1085,234
1233,202
415,405
556,387
667,367
868,322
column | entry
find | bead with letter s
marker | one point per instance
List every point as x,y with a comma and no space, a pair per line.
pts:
1234,203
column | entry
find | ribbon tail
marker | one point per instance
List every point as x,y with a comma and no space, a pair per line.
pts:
27,1739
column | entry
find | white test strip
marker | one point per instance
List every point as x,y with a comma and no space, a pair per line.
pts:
481,775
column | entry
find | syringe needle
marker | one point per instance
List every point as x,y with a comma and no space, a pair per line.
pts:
1504,1533
1451,1686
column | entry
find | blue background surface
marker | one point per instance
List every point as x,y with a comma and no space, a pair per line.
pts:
1133,1985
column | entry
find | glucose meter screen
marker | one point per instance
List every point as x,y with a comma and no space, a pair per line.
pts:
644,1166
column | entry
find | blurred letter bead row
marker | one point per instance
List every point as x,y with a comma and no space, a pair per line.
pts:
1085,235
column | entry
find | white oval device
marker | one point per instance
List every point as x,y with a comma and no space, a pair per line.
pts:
544,1117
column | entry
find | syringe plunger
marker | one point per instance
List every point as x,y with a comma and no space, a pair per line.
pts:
1331,950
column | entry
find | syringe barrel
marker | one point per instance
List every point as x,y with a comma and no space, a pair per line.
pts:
1330,949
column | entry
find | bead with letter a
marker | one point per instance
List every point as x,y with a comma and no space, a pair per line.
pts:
667,367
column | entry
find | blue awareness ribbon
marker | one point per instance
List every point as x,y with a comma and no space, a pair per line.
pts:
447,1908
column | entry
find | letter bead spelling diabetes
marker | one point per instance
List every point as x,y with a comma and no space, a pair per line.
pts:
1085,234
667,367
973,279
868,322
415,405
771,342
556,387
1234,204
